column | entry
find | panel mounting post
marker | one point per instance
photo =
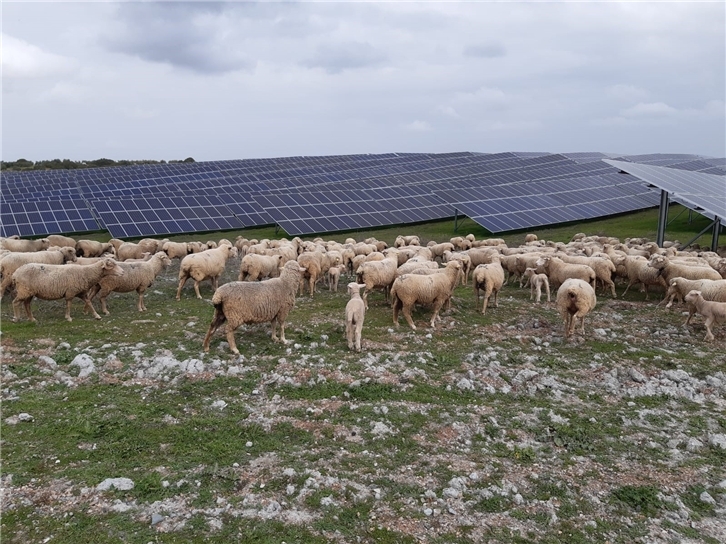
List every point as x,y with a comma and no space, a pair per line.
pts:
662,218
716,232
277,229
456,220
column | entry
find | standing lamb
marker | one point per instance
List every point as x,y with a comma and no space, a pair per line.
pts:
208,264
334,276
714,312
240,302
355,314
435,289
490,278
136,277
575,299
536,282
56,281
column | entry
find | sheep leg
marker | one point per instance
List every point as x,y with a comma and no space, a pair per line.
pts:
87,305
140,305
709,334
630,284
365,297
612,288
437,306
407,314
230,339
16,309
496,299
196,289
691,313
182,281
397,305
217,320
312,285
547,285
358,333
282,331
349,334
486,303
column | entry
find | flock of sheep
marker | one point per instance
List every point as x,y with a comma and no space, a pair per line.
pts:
273,272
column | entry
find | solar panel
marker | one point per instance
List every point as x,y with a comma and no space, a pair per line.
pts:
42,217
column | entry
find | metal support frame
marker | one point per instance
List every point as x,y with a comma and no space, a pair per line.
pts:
679,214
697,236
277,229
662,218
716,232
456,220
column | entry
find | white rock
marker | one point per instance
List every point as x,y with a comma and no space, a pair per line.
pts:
23,416
219,404
718,440
85,363
694,444
465,384
122,484
707,498
48,361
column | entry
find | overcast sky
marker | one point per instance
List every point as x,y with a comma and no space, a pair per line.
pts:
216,81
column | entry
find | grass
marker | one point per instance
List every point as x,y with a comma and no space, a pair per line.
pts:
309,422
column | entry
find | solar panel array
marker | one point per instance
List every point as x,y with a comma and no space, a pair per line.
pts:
305,195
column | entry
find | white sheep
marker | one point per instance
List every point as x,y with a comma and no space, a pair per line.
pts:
61,241
558,271
255,267
56,281
208,264
24,246
240,302
671,269
136,277
334,276
377,274
435,289
536,283
355,314
130,250
679,287
714,312
575,299
490,278
176,250
92,248
12,261
638,271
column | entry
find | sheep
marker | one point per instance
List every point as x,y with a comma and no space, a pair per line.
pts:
413,264
638,271
604,268
255,302
61,241
92,248
490,278
558,271
12,261
536,281
668,269
254,267
130,250
710,289
461,244
56,281
136,277
176,250
377,274
402,241
714,312
313,263
116,243
435,289
575,299
463,258
355,314
208,264
151,245
530,238
334,277
24,246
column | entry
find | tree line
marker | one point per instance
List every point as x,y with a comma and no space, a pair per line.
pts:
67,164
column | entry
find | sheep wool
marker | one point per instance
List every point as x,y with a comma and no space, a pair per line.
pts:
575,299
240,302
489,278
208,264
714,312
56,281
355,314
12,261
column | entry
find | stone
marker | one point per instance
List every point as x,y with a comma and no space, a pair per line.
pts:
707,498
694,444
636,376
718,440
122,484
156,518
85,363
677,376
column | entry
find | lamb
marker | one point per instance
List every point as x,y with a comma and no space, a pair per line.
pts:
355,314
714,312
136,277
176,250
536,282
92,248
12,261
254,267
558,271
463,258
208,264
334,277
435,289
377,274
56,281
575,299
490,278
61,241
255,302
24,246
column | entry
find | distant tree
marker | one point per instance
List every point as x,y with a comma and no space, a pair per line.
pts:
189,159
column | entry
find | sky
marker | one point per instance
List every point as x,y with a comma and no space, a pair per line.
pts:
237,80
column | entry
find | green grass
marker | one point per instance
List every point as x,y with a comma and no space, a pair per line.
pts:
316,409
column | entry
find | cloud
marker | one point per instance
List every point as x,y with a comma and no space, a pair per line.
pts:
649,109
449,111
628,93
334,58
417,126
194,36
486,51
485,96
23,60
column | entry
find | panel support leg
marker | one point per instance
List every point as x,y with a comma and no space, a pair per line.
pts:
456,220
662,218
716,232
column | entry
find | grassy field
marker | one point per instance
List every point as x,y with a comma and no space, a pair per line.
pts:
485,429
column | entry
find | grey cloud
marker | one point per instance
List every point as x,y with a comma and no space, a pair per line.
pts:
186,35
488,51
334,58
